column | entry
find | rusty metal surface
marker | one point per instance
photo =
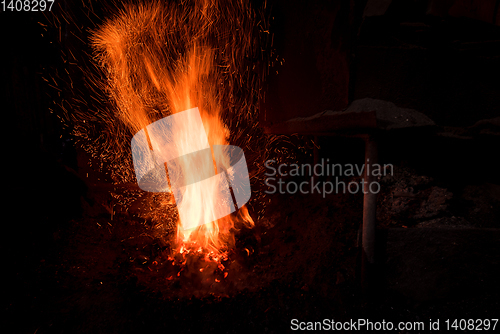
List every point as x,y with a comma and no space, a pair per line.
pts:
361,117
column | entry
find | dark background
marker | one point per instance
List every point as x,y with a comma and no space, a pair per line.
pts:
441,58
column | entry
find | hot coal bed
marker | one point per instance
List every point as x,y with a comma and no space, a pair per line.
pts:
375,203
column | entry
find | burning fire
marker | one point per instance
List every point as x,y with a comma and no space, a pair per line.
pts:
163,58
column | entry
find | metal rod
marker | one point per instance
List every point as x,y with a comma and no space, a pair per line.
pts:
369,214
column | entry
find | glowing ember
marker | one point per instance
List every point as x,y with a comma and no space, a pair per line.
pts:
162,59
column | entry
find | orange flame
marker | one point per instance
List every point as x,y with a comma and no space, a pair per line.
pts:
161,59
